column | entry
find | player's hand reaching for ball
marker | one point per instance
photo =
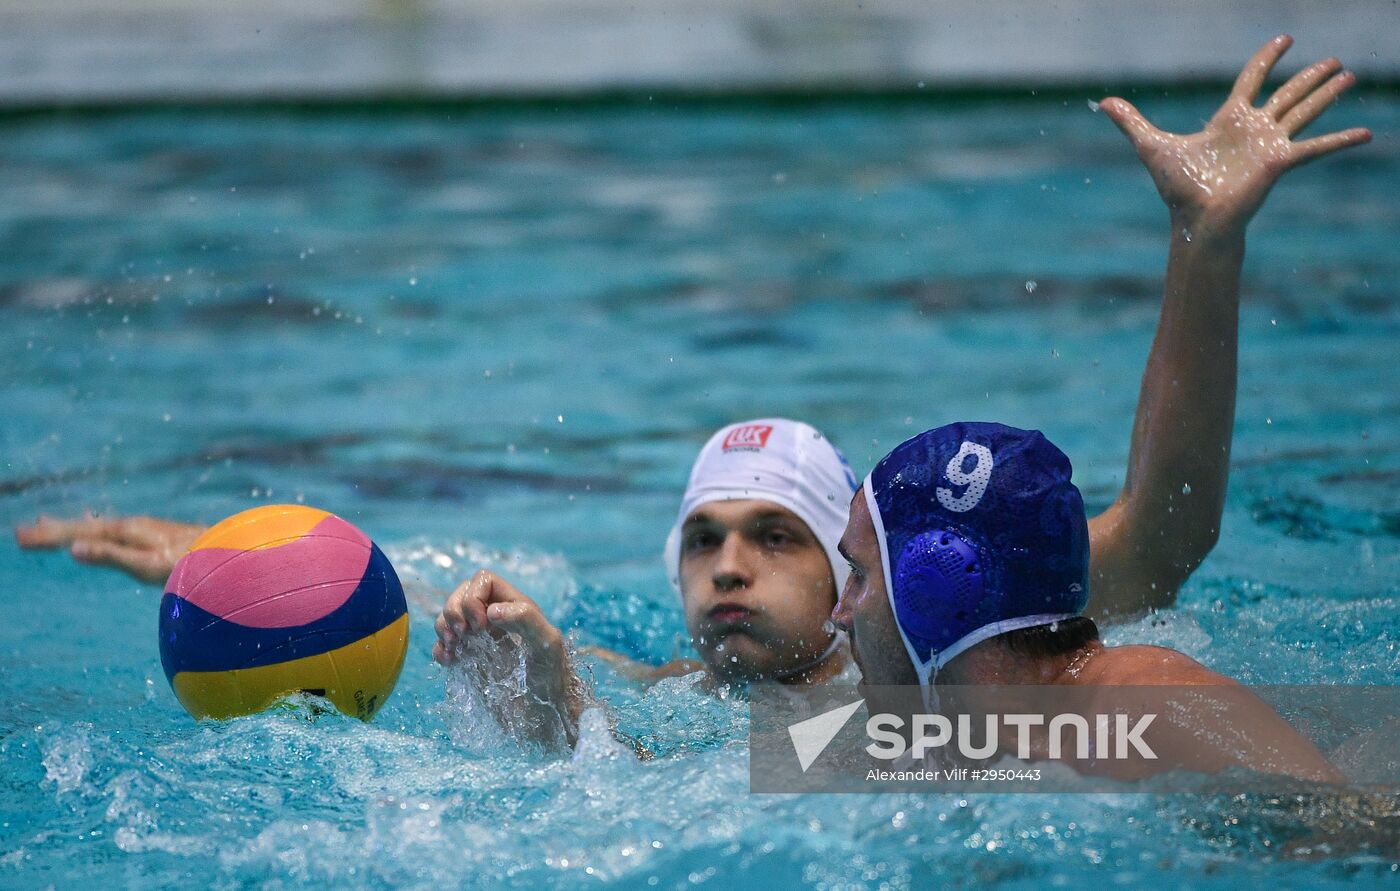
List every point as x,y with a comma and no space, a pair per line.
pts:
146,548
488,604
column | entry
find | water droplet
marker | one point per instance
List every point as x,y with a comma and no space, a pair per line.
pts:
1093,106
1185,488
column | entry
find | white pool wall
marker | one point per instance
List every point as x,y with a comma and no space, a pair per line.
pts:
56,51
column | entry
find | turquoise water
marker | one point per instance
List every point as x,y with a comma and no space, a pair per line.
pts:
497,338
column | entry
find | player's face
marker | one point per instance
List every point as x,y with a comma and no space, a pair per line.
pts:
863,609
757,587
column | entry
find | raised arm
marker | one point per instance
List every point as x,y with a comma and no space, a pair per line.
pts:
1167,517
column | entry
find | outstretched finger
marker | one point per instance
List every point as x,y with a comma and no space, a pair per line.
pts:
47,532
1308,110
1300,85
142,564
1317,147
42,534
1128,119
1257,69
50,533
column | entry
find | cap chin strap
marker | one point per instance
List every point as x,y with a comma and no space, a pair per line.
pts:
986,632
837,639
927,670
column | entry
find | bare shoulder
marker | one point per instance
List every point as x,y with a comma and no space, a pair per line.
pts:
1149,666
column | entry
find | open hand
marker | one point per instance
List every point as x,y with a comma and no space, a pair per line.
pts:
1216,179
146,548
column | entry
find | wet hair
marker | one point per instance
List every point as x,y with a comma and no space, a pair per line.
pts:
1051,640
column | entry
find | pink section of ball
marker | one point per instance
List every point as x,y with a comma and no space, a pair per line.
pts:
291,584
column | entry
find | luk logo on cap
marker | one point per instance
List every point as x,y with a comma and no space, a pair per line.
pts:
749,436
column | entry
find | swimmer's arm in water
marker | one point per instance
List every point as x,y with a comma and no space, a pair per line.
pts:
1225,726
641,671
488,604
145,548
1167,517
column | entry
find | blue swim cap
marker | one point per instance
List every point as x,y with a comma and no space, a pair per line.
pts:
981,532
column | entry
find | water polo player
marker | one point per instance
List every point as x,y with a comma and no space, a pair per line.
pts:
969,556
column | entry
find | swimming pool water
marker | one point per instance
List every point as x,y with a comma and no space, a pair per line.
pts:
497,338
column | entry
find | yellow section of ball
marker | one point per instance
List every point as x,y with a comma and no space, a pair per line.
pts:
357,678
261,527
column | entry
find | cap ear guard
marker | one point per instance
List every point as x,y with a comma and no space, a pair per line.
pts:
942,603
938,587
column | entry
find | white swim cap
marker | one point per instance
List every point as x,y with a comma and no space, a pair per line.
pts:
772,459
